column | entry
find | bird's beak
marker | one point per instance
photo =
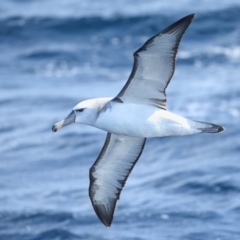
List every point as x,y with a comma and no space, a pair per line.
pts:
68,120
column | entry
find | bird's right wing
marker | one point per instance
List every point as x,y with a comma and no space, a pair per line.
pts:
110,172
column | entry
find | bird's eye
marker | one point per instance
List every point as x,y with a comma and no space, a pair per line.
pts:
79,110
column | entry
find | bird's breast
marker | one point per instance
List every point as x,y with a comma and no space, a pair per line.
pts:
129,119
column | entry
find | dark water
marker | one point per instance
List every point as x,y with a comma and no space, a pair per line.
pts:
55,54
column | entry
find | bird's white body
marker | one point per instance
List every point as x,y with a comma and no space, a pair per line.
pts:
138,120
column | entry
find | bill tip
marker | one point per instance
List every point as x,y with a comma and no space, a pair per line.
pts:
54,129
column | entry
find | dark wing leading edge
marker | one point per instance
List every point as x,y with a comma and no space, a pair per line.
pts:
110,172
154,65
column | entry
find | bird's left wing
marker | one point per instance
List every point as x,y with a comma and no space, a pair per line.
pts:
110,172
153,67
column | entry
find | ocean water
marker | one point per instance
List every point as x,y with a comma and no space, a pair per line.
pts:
55,54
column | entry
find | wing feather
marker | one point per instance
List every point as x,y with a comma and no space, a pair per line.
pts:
154,65
110,172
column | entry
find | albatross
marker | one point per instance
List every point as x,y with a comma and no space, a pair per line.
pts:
138,112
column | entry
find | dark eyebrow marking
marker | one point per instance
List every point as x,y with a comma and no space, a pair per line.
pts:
79,110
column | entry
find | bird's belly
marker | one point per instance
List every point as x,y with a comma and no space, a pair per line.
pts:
141,121
122,124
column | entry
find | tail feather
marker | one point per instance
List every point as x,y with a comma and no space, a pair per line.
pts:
208,127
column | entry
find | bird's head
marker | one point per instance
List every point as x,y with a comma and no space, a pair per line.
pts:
84,112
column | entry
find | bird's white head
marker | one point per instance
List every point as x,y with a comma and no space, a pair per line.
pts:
85,112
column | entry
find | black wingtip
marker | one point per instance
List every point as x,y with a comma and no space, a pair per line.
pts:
105,214
189,16
185,22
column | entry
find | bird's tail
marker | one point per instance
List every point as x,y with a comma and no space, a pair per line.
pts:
208,127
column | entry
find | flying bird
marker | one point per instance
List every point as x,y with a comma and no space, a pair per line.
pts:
138,112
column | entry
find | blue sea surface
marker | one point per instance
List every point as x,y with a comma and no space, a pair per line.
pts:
55,54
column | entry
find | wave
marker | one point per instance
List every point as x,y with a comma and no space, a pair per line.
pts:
213,54
107,10
56,233
72,45
40,225
205,23
196,187
66,63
